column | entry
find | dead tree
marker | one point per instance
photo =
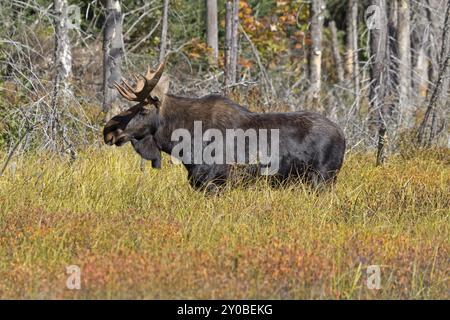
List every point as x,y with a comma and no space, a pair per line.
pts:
212,31
165,24
420,42
112,56
63,64
228,36
428,128
234,42
376,17
336,53
231,42
315,53
404,62
351,55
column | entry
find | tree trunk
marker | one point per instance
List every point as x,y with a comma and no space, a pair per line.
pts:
391,63
112,57
315,53
63,64
426,137
404,57
336,54
351,55
378,72
420,42
165,24
212,31
228,34
234,42
432,7
63,54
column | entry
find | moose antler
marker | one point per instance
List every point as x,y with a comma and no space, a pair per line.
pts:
144,85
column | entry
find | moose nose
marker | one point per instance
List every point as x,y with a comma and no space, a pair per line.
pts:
109,139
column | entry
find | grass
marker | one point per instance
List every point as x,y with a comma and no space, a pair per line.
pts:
148,235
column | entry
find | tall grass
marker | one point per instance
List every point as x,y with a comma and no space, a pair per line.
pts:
148,235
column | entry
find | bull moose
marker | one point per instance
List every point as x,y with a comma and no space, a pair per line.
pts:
309,146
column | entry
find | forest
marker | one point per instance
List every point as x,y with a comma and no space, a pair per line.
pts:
378,69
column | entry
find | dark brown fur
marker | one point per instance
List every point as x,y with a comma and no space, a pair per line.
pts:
311,146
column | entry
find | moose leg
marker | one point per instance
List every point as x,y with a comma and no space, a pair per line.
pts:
148,149
207,178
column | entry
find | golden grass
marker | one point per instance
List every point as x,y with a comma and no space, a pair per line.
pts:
148,235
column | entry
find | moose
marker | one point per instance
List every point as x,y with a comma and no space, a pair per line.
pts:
310,147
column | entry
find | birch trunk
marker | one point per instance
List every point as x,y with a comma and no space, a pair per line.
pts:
351,42
336,54
315,53
112,57
378,55
165,25
63,64
228,34
212,30
234,42
404,57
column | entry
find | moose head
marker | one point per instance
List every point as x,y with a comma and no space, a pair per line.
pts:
138,123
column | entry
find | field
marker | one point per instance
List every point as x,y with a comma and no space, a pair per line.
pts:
148,235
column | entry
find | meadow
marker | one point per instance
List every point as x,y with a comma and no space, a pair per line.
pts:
148,235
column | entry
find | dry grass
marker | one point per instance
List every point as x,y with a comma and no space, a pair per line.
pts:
149,235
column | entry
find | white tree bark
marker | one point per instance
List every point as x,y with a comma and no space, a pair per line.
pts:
378,68
234,42
228,36
212,30
404,57
351,55
421,37
63,64
112,56
315,53
63,54
165,25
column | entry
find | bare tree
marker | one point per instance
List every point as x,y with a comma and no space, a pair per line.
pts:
234,42
404,61
112,56
165,24
228,33
63,54
391,64
336,53
63,63
315,52
439,89
351,56
212,30
231,41
420,43
377,20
